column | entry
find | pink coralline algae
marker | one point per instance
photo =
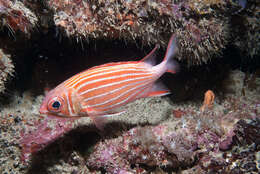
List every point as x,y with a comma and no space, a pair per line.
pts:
170,148
227,142
151,146
44,133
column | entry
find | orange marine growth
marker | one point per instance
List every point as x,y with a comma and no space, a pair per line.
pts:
209,98
100,91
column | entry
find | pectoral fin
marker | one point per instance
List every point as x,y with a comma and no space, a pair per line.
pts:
158,93
111,114
99,122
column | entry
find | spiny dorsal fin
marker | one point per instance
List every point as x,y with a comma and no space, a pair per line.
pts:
150,58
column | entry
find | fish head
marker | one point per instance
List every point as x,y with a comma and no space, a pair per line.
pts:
55,104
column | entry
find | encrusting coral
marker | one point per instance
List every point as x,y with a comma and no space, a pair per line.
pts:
6,69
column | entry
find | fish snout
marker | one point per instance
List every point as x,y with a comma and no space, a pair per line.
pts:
43,110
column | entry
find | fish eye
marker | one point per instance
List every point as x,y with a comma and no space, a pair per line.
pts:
55,104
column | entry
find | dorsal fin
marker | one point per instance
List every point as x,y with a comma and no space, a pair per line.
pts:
150,58
171,65
111,64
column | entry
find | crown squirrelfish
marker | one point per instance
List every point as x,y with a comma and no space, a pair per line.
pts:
99,91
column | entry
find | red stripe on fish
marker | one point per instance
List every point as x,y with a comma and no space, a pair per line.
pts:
106,93
119,101
115,98
87,82
103,80
99,70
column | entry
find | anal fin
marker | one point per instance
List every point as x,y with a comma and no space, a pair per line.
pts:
158,93
99,122
158,89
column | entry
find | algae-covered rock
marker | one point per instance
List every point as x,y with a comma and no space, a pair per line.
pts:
202,32
6,69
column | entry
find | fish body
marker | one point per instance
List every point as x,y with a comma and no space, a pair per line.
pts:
100,91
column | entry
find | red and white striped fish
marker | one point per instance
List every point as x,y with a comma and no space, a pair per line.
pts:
99,91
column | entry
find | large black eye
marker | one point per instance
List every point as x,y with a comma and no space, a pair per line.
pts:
56,104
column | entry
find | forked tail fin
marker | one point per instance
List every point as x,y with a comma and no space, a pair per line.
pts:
171,65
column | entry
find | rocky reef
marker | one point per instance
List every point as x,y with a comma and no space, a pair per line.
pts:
204,27
209,124
175,137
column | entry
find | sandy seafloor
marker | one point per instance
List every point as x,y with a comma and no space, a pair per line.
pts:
68,154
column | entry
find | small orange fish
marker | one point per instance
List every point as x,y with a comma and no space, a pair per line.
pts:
99,91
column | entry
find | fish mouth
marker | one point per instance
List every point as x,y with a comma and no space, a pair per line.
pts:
51,115
43,112
58,116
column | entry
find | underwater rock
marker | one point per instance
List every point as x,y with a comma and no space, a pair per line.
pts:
242,157
46,132
202,26
246,31
6,69
171,147
202,31
151,146
16,16
234,82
